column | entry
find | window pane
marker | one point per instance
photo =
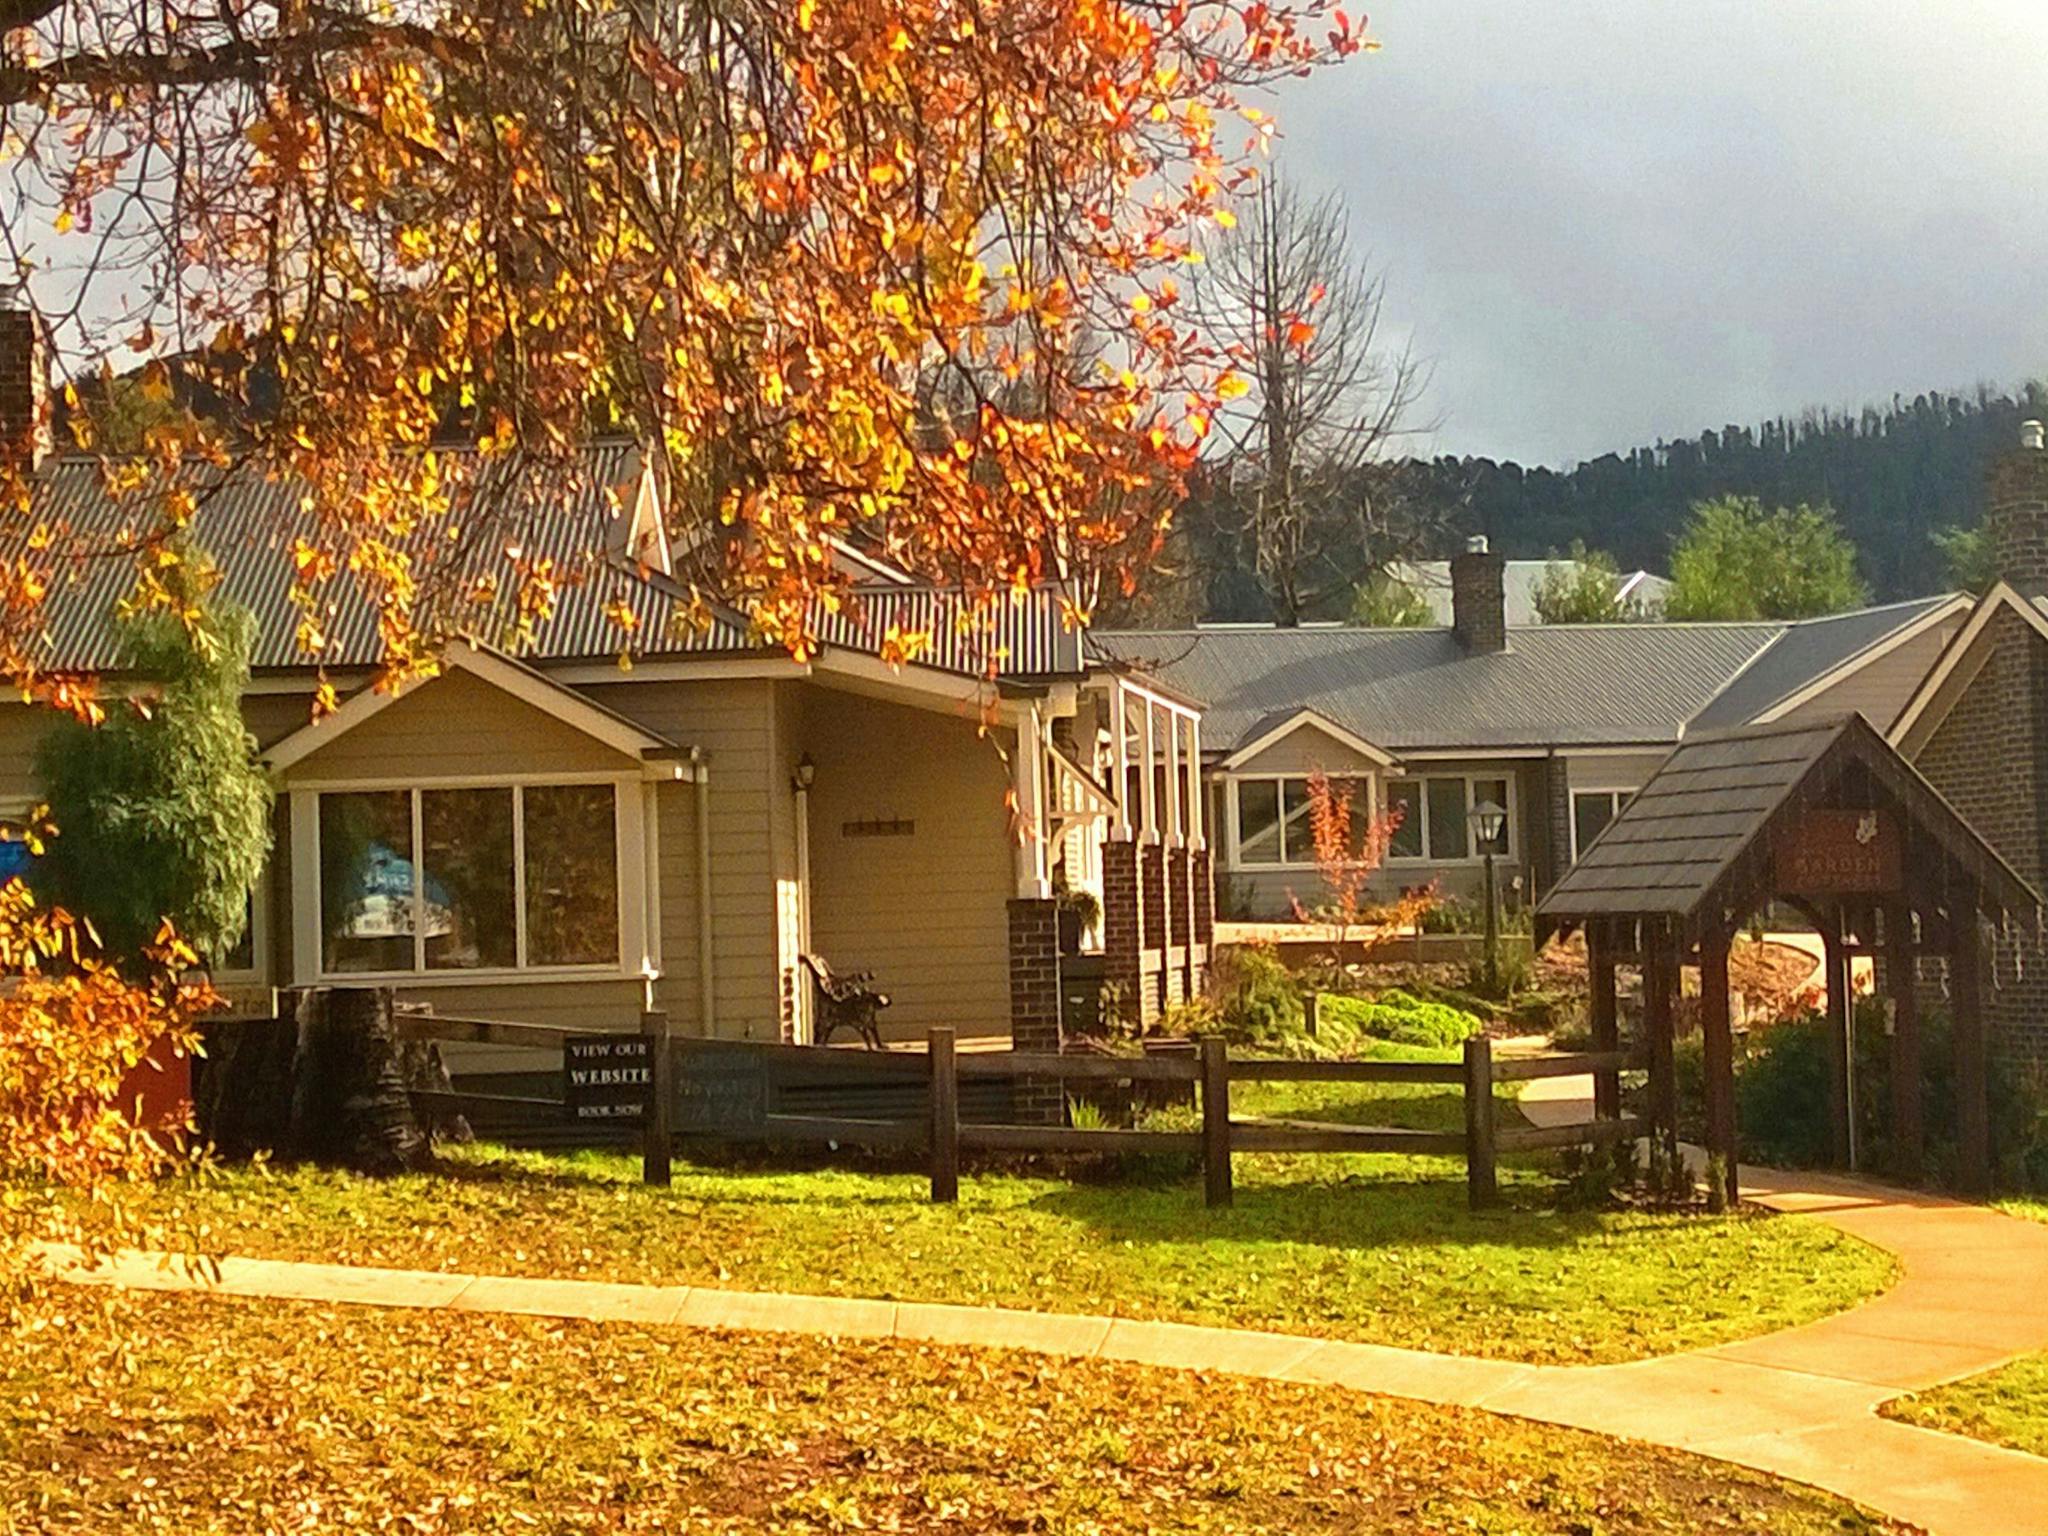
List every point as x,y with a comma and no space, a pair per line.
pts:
1258,822
572,875
241,955
366,877
1358,795
466,835
1495,790
1300,828
1405,796
1591,811
1447,819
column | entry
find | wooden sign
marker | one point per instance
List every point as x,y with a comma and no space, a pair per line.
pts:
1830,853
606,1077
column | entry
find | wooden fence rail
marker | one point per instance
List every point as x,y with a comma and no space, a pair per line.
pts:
943,1129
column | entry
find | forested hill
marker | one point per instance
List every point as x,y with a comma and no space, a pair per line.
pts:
1894,474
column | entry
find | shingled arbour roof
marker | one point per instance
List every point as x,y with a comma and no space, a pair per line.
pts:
1557,685
568,515
1685,843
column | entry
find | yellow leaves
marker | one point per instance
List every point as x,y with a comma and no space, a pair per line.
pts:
1233,386
156,382
63,222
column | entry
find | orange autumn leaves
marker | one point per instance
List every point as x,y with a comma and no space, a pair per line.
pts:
906,269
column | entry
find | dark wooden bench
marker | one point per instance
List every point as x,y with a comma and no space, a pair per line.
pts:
845,1002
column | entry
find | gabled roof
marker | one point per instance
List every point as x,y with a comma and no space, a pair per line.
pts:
1417,689
1960,662
1557,685
1277,728
1696,841
583,520
1815,651
626,737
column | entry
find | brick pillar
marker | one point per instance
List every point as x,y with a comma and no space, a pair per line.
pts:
1202,875
1152,910
1122,972
1035,1001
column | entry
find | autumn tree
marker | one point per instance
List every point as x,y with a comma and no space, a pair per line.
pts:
1349,844
745,233
1739,559
1323,399
1583,587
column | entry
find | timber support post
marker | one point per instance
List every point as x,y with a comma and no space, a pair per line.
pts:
1482,1179
1909,1136
1717,1042
1603,1018
657,1143
1216,1120
945,1102
1973,1110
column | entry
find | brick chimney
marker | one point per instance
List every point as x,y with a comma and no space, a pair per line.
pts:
25,429
2017,514
1479,599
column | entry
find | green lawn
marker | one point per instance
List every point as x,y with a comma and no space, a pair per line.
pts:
1375,1248
2008,1406
217,1417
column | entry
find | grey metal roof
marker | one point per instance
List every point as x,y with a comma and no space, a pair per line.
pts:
1418,689
1696,840
1809,650
1431,581
507,510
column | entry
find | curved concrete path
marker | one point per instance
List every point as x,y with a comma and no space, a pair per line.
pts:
1800,1404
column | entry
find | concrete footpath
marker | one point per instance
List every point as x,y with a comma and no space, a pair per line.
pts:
1800,1404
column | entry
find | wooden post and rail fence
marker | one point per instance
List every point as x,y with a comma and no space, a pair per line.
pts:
672,1087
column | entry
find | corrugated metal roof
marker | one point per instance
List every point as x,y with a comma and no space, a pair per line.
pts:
1698,836
510,511
1417,689
1809,650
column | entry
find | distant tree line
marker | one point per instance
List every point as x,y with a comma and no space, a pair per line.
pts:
1896,476
1804,514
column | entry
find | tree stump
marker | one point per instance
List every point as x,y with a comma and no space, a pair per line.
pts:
326,1085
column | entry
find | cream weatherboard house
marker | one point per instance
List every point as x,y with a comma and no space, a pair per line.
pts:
555,837
1560,724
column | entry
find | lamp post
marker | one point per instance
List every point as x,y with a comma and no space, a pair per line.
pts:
1489,820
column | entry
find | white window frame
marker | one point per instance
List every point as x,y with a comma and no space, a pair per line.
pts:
1237,859
1622,793
258,972
1427,858
635,960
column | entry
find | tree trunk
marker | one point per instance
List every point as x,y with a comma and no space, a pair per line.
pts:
327,1085
349,1104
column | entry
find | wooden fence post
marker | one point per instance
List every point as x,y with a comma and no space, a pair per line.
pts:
945,1093
1482,1185
656,1146
1216,1119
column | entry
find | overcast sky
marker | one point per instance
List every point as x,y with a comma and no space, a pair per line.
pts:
1607,221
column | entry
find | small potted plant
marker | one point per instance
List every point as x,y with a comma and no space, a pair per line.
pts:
1079,912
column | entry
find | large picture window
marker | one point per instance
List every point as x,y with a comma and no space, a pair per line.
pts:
1436,818
473,878
1274,824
